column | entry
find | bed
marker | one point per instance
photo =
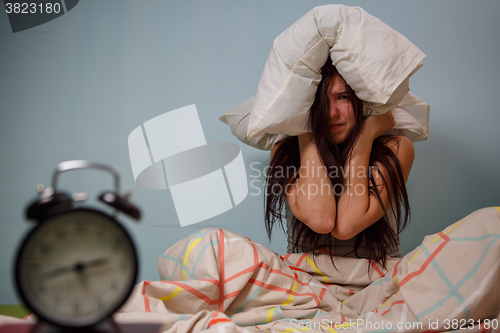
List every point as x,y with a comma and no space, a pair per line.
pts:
220,281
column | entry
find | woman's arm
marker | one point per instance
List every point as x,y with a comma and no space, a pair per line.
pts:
357,208
311,197
312,200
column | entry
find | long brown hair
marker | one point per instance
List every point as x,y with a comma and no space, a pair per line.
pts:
378,239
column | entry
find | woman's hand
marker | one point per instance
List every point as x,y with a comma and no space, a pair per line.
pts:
374,126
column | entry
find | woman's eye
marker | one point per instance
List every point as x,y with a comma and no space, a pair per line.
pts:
344,97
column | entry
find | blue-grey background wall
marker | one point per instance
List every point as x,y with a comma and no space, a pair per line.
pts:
75,87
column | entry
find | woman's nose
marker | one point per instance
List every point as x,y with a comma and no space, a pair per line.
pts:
333,111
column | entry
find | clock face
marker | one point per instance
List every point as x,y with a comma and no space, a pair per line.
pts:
76,268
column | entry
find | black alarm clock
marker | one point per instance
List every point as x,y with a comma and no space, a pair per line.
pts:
78,265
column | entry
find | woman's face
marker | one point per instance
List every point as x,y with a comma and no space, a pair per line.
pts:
341,112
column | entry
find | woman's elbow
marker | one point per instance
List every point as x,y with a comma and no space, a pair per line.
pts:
319,219
343,232
320,224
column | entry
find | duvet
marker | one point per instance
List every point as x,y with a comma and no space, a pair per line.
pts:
220,281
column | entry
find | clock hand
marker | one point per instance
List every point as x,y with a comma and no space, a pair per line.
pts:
79,267
57,272
95,263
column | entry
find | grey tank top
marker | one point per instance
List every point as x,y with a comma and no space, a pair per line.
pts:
344,248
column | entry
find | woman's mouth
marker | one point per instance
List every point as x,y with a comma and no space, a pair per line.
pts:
335,127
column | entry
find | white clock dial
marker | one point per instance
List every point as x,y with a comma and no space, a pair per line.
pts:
76,268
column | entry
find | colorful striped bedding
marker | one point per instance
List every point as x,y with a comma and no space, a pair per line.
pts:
220,281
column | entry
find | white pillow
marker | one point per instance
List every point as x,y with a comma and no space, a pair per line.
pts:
237,119
374,60
412,119
411,116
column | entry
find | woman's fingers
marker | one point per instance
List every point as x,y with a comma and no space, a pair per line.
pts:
376,125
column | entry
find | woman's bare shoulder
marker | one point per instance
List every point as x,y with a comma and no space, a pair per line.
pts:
398,144
403,149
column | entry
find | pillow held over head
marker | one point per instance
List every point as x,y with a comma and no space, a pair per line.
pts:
375,61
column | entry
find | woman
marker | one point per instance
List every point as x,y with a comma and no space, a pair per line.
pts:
218,277
342,179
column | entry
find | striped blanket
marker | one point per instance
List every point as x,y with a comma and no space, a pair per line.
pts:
220,281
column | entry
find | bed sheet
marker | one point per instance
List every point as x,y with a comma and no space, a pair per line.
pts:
217,278
219,281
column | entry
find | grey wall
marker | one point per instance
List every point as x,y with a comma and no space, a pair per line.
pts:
75,87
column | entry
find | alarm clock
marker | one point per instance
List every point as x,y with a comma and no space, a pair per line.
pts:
78,265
